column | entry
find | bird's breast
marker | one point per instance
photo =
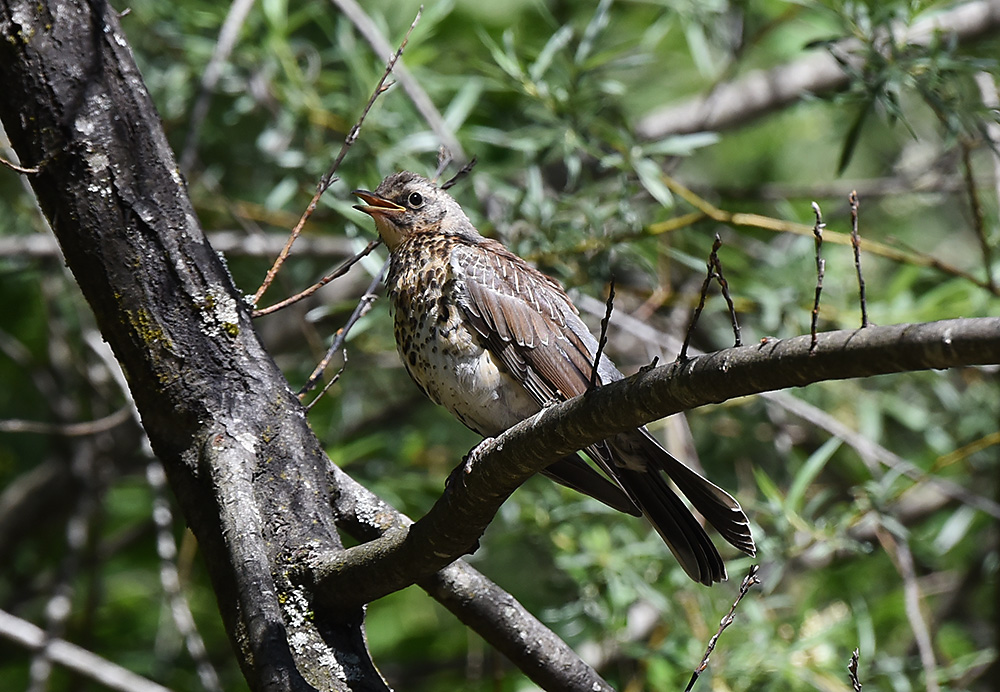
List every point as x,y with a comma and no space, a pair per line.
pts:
442,354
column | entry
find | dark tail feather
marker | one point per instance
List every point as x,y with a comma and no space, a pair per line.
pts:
718,507
575,473
679,529
637,462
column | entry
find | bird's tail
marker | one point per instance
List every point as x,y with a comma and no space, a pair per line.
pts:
638,463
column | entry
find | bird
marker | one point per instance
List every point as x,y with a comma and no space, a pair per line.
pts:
494,340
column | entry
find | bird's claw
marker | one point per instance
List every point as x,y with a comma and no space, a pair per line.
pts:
468,461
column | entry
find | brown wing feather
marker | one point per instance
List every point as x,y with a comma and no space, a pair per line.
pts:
523,317
530,324
517,309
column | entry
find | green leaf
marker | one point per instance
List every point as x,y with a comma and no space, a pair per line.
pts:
814,464
651,178
853,134
555,43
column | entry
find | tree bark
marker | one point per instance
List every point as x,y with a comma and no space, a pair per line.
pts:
247,472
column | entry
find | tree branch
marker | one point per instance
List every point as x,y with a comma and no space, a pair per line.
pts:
408,553
475,600
75,658
737,103
242,462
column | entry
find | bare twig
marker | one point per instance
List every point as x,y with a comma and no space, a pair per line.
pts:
724,285
856,244
230,242
444,160
13,425
595,380
701,300
75,658
328,177
978,224
335,274
991,99
336,377
706,209
363,306
749,581
852,671
462,172
19,169
230,31
369,29
902,558
170,580
79,530
820,269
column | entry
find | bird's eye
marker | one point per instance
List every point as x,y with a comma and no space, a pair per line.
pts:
416,200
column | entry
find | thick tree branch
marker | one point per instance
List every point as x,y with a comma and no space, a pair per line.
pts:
246,470
475,600
497,467
760,92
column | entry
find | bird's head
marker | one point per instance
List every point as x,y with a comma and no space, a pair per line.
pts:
406,204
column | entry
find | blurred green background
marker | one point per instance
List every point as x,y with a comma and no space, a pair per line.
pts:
550,97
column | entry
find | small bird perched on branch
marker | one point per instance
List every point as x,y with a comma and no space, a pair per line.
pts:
493,340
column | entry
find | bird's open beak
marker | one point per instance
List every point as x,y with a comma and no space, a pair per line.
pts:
376,205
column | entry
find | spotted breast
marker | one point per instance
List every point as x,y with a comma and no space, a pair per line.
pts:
442,355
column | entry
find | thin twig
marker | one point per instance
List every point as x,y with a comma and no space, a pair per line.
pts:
20,169
978,224
701,301
852,671
369,29
170,578
444,160
334,379
344,267
67,429
328,177
79,530
239,10
856,244
363,306
462,172
748,582
75,658
820,270
724,285
595,380
991,99
902,558
707,210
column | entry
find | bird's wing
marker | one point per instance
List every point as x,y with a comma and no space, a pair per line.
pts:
528,322
530,325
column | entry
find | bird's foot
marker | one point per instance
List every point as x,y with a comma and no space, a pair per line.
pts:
468,461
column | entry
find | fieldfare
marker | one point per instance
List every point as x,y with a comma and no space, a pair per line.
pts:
493,340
